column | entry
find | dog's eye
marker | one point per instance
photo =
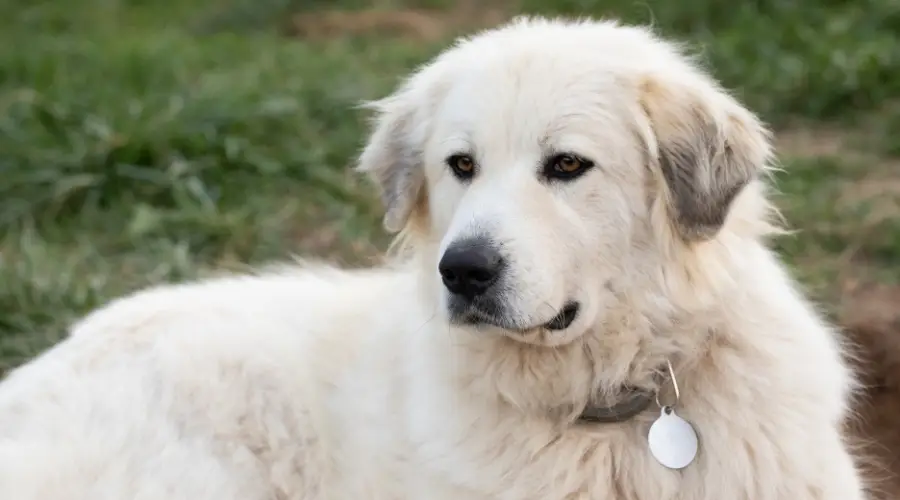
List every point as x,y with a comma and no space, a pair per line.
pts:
463,166
566,166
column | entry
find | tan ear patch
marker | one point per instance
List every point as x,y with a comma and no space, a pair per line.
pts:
708,149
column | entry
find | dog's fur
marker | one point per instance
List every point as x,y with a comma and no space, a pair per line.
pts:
317,383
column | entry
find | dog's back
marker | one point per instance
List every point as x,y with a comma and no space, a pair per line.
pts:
203,391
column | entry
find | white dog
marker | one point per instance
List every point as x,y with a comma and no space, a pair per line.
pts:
581,207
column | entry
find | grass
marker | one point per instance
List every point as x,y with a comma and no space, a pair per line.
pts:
146,142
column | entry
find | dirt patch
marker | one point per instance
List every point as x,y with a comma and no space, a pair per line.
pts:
817,141
811,141
877,196
873,307
412,24
871,318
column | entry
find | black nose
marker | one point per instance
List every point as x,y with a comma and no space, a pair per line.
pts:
469,267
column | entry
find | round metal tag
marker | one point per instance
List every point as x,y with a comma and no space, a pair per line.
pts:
673,441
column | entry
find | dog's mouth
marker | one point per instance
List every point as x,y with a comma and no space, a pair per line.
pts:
561,321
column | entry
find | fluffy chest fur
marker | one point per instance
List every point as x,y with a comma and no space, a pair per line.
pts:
476,444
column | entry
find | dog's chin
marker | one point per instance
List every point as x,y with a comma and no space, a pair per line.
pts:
555,331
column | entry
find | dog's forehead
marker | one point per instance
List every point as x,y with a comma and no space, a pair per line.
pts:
532,97
530,73
531,89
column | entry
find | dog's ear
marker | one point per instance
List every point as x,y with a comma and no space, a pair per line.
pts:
708,148
393,156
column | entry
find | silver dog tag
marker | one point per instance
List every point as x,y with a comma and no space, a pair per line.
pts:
673,441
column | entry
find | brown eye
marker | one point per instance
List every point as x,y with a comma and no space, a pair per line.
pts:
566,166
463,166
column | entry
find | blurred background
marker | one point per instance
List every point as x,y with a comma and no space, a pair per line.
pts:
144,141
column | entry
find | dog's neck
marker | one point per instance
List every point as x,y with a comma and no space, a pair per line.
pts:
633,402
608,376
562,385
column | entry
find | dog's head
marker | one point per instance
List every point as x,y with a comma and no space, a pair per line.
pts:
549,168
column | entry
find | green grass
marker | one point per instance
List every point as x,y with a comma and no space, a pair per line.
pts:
143,142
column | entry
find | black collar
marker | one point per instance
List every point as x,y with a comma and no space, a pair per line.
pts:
633,402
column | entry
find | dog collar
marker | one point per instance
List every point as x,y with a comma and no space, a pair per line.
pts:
633,402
